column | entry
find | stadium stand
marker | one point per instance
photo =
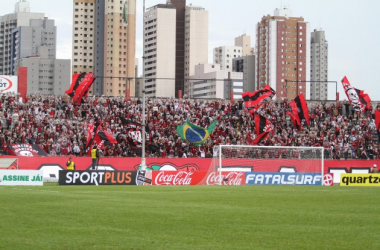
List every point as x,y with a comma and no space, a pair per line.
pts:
60,127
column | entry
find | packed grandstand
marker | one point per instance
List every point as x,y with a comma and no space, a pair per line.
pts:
60,128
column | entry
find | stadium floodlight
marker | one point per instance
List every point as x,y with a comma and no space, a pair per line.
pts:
308,160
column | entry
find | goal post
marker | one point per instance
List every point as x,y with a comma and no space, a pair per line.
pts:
267,159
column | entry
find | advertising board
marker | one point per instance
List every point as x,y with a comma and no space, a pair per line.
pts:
97,177
21,178
361,180
8,84
269,178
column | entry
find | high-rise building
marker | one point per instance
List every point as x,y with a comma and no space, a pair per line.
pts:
34,47
160,51
37,39
104,43
246,65
318,66
176,39
244,41
21,17
29,40
283,54
225,54
196,38
83,50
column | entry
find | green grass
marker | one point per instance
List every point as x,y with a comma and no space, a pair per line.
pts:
196,217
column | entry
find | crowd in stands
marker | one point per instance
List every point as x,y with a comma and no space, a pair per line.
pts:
60,127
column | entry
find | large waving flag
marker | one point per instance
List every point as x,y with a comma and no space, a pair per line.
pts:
92,130
358,99
263,127
194,134
83,88
104,138
253,101
76,81
300,112
80,86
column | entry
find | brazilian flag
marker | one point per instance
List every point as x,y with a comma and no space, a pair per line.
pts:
193,133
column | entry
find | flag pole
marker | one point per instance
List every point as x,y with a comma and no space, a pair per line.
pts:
143,165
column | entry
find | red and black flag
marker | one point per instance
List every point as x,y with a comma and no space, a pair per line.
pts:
377,119
92,130
26,150
358,99
263,127
104,138
134,135
253,101
299,113
76,81
83,88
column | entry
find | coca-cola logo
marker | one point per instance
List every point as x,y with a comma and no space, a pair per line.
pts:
225,178
173,178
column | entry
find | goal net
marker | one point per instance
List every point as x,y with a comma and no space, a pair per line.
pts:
268,159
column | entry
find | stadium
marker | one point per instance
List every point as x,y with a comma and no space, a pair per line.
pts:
243,153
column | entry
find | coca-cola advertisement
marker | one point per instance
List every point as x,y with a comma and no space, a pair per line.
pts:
177,178
226,178
180,178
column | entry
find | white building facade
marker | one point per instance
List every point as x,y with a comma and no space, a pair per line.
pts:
209,81
159,51
318,66
225,54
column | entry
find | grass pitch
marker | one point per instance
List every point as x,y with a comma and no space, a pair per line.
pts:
189,217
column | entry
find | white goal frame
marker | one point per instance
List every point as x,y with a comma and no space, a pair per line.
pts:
220,147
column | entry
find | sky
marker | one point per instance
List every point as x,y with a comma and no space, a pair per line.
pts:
351,29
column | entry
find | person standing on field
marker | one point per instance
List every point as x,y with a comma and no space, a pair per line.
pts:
94,156
70,164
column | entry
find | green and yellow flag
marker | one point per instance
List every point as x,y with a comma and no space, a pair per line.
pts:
194,134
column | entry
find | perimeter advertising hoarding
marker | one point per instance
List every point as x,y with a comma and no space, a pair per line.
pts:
21,178
8,84
361,180
270,178
67,177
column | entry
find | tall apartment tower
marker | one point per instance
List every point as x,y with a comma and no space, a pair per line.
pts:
160,51
196,38
176,39
318,66
83,50
21,17
283,54
34,47
105,45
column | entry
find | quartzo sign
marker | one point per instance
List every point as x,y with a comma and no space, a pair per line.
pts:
8,84
97,177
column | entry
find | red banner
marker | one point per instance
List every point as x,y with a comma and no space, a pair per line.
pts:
190,164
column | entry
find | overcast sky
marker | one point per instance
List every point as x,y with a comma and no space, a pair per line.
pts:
351,28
